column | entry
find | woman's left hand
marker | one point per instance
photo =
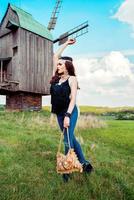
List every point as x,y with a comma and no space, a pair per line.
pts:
66,122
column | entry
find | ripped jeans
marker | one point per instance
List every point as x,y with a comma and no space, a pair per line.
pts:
73,142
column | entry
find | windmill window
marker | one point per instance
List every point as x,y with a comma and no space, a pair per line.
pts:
15,50
4,63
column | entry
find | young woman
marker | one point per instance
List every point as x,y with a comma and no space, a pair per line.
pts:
63,92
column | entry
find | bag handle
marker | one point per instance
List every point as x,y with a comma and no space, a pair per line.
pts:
68,138
59,147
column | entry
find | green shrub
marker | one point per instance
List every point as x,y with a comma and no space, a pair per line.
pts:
125,116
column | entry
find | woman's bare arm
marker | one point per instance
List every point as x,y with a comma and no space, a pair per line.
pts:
58,53
73,86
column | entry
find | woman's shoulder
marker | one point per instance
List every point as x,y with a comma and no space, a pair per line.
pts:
72,79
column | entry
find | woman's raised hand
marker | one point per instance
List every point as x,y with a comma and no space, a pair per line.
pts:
70,41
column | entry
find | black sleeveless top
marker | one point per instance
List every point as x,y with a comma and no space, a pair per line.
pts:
60,93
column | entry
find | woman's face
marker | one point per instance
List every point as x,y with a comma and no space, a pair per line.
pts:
61,66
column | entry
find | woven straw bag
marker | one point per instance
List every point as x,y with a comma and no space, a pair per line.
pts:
67,163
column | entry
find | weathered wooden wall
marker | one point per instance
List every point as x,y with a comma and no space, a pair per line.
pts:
9,44
35,56
6,46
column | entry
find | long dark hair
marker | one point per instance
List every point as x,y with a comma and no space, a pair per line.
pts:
69,66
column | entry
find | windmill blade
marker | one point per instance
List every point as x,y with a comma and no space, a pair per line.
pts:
54,16
74,33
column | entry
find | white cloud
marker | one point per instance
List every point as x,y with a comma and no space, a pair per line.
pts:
125,13
128,52
104,79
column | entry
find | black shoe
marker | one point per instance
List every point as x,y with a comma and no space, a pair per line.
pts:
66,177
87,167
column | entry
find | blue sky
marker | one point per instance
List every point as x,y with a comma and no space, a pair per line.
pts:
103,29
106,50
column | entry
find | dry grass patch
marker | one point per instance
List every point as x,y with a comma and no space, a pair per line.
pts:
84,122
90,121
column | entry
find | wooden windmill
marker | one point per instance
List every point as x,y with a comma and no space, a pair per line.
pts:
26,51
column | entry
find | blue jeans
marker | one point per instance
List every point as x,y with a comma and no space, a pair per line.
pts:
73,142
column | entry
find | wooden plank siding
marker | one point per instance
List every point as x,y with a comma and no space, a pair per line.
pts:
15,55
35,62
6,46
5,52
50,66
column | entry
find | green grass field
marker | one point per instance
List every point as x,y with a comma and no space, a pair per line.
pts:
97,110
28,146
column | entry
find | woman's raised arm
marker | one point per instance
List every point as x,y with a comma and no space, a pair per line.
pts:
58,53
